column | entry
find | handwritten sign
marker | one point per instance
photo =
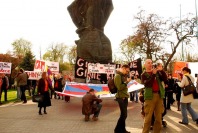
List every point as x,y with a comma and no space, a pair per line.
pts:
5,67
34,75
39,66
101,68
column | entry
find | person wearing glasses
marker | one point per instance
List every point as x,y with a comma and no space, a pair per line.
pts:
121,80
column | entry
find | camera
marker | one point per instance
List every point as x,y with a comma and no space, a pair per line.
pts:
154,66
132,77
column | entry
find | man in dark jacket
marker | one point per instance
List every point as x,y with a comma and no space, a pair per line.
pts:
91,105
22,82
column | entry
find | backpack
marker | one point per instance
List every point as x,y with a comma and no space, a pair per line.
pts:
111,85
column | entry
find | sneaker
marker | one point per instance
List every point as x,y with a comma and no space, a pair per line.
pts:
40,113
197,121
45,112
95,118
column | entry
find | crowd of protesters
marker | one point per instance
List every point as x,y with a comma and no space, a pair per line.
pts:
23,84
156,97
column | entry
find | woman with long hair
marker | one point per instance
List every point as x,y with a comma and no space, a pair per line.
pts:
43,89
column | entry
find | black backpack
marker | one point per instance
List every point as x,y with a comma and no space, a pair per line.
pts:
111,85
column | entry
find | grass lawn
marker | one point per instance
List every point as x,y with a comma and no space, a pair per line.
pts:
12,96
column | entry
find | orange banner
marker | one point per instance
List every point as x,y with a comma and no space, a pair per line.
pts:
178,68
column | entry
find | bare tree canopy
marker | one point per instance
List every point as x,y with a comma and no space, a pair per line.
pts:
156,39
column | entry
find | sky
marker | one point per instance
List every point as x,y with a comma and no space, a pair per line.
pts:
43,22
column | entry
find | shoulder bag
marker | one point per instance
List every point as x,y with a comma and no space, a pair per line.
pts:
190,88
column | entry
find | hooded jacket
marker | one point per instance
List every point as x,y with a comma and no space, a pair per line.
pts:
121,85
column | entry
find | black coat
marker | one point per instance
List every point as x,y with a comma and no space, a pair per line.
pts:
41,90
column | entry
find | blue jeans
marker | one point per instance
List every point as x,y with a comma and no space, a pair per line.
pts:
123,103
136,96
184,108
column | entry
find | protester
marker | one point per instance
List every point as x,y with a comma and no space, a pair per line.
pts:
22,82
58,85
121,80
134,94
186,101
169,91
91,105
17,86
178,90
66,78
4,86
43,89
52,91
153,96
1,82
28,86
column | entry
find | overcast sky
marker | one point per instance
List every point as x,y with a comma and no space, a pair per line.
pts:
43,22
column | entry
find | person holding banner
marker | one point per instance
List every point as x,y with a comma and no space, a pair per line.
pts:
58,85
1,82
91,105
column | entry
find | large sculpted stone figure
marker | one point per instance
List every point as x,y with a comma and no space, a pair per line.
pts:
90,17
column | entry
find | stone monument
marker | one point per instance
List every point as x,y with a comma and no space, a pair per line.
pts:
90,17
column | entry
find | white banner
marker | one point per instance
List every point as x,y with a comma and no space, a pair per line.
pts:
53,66
34,75
134,85
5,67
101,68
41,66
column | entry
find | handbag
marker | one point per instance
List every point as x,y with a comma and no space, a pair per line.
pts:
190,88
37,98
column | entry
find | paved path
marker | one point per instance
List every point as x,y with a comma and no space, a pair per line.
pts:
65,117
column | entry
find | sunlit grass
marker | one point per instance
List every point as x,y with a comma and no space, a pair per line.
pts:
12,96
